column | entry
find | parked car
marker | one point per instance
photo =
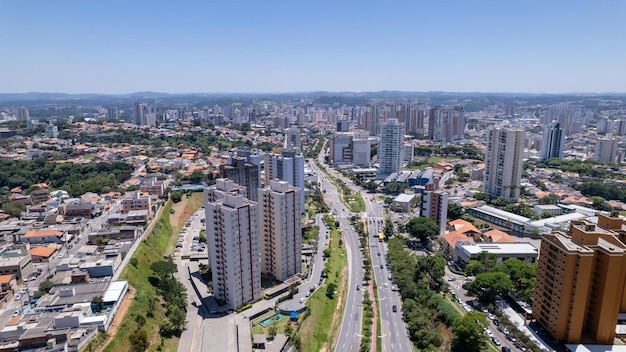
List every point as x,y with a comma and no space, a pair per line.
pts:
496,341
394,308
18,296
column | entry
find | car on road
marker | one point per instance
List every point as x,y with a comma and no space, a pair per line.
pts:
511,338
521,346
23,291
394,308
61,255
17,312
302,300
18,296
451,279
308,294
379,254
489,333
381,266
358,287
496,341
506,349
491,316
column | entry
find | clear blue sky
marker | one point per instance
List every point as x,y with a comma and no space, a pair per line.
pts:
126,46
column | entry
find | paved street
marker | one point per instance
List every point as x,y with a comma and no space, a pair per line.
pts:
350,331
394,334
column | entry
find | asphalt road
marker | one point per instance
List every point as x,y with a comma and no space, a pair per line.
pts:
394,335
350,332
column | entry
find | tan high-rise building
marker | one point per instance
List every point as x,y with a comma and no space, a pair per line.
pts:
280,230
579,290
504,163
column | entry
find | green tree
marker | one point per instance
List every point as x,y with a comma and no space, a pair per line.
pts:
455,211
388,229
176,196
468,334
177,317
548,200
138,341
97,302
488,285
163,268
271,331
422,228
483,263
14,208
432,266
330,290
600,203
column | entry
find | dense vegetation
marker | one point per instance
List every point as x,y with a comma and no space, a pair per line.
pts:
419,280
187,140
604,190
493,278
73,178
586,168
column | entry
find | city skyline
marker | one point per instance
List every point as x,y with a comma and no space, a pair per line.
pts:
117,47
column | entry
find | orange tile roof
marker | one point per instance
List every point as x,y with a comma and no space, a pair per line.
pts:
453,237
42,251
463,226
498,236
34,233
5,279
133,181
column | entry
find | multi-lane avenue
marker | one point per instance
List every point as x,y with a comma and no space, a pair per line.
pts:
349,336
393,330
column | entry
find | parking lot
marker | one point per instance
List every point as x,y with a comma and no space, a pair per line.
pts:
192,237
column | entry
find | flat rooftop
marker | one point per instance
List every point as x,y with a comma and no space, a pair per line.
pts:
498,248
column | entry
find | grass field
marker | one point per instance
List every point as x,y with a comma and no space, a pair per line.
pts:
146,302
319,330
355,202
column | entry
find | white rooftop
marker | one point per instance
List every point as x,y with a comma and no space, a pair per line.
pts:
403,198
474,248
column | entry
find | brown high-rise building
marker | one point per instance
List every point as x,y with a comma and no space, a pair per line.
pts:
579,290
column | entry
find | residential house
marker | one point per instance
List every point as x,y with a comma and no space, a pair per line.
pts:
42,236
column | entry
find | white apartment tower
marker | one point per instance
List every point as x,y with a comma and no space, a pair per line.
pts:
446,125
280,230
606,149
553,141
504,162
391,147
289,167
292,138
22,114
233,241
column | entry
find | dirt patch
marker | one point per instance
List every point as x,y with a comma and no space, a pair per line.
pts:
185,208
119,316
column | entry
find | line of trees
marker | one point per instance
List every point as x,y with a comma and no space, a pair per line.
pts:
419,280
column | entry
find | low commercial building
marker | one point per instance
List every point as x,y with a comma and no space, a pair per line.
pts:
42,254
403,202
135,201
16,262
466,251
